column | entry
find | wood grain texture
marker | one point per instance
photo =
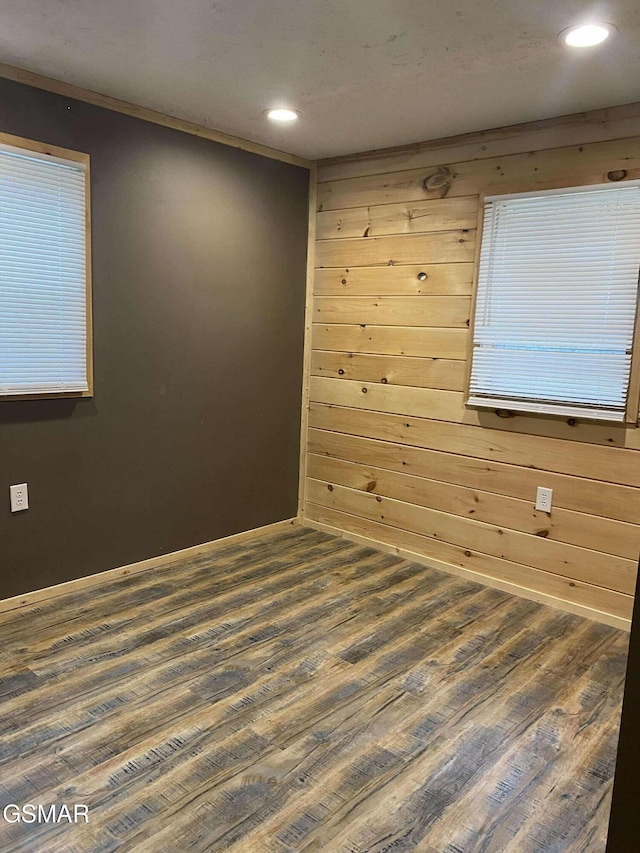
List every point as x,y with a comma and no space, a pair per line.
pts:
592,497
439,248
407,402
391,340
388,420
393,399
408,280
152,563
570,166
382,220
431,311
301,693
577,129
395,370
308,330
584,599
593,461
577,528
593,567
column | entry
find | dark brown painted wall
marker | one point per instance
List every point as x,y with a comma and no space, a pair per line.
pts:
199,255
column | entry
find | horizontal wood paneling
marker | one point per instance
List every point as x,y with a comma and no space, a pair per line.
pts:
423,402
607,500
609,464
478,565
389,340
441,279
438,248
593,567
434,311
578,164
414,218
574,528
392,369
577,129
388,428
441,405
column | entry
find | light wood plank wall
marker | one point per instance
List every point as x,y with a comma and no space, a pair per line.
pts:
392,454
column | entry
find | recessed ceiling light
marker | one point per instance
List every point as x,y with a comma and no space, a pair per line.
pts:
281,115
586,35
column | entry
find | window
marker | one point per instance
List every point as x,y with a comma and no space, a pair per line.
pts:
556,302
44,270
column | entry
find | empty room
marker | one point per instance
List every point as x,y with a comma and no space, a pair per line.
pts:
319,426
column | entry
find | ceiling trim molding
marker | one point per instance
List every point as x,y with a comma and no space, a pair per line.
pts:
68,90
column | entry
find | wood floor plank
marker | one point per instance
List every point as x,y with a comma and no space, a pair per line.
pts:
183,607
302,693
134,763
342,700
543,770
406,808
109,599
181,661
150,692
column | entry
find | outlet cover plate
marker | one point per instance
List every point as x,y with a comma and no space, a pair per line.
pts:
19,497
544,498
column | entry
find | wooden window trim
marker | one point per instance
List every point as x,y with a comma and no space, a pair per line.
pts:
632,415
76,157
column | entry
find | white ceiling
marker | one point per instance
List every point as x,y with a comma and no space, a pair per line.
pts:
363,73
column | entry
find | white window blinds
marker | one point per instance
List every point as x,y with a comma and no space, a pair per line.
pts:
43,276
556,301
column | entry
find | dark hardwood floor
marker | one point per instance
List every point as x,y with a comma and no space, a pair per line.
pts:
302,693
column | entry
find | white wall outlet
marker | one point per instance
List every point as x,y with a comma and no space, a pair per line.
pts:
543,499
19,497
